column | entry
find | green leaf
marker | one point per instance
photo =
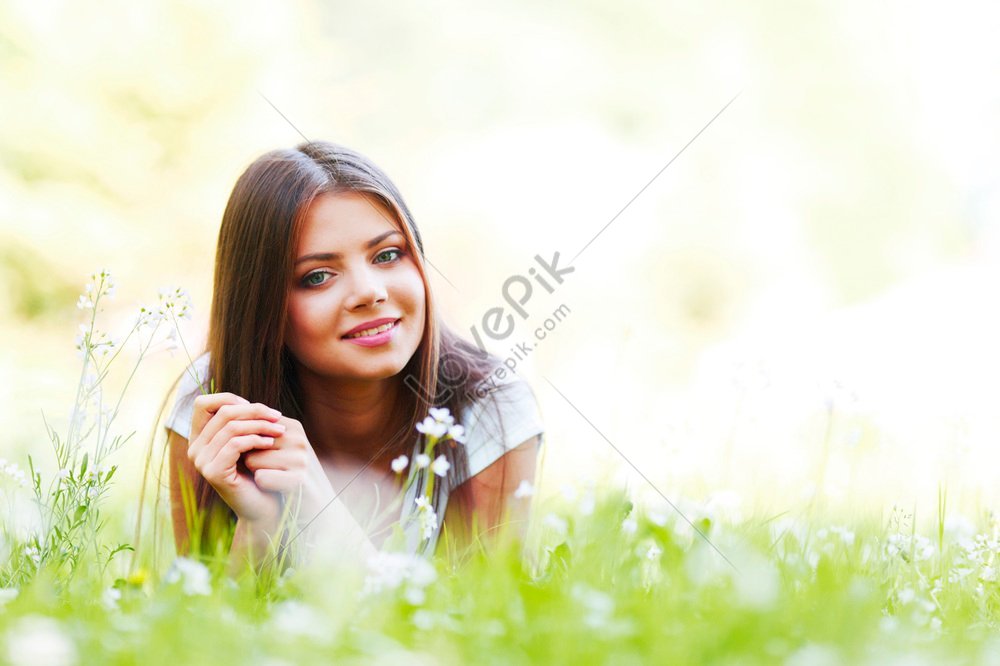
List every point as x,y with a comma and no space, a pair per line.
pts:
562,556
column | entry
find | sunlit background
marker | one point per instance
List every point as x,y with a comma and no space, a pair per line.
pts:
800,309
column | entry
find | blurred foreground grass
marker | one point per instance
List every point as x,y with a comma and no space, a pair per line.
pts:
610,584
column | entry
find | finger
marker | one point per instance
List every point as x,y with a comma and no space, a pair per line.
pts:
230,412
205,406
235,429
268,459
276,480
230,453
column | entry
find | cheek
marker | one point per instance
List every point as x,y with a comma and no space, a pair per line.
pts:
416,297
297,326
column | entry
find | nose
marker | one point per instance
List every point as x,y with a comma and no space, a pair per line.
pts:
367,289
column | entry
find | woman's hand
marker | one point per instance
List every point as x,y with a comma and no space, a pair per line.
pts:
291,466
224,427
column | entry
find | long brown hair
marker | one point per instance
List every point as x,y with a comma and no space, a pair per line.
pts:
254,260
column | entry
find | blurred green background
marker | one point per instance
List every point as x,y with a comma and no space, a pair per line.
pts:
800,307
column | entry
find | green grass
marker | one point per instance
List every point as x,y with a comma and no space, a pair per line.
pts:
790,592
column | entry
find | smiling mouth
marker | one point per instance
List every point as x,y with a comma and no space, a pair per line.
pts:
373,331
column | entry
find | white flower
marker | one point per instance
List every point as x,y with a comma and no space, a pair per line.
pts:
423,620
428,523
193,575
148,317
84,303
422,460
294,618
441,415
524,489
13,472
846,535
427,516
81,342
557,524
35,640
33,554
172,340
457,433
111,597
175,303
414,596
440,466
64,473
569,492
390,571
400,463
653,553
599,605
432,428
815,654
904,544
657,518
8,594
629,525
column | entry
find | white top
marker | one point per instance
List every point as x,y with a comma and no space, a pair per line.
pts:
509,408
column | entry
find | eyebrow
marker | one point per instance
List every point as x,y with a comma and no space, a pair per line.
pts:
331,256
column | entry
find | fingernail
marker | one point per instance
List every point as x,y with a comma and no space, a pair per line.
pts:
279,427
269,440
275,413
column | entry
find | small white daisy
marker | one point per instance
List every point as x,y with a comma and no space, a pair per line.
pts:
432,428
441,466
400,463
441,415
457,433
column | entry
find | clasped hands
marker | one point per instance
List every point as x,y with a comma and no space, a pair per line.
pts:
281,462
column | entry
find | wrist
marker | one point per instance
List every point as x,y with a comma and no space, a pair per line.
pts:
261,526
316,497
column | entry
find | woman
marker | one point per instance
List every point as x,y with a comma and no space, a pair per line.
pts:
325,350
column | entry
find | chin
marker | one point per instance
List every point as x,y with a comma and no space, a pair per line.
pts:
375,368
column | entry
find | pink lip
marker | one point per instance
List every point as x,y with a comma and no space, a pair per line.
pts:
371,324
375,340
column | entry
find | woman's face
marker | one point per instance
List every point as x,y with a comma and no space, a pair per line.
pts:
354,272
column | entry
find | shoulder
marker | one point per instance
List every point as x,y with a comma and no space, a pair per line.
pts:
189,386
502,416
195,376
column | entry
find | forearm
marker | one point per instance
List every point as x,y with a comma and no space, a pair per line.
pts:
324,532
251,546
331,534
